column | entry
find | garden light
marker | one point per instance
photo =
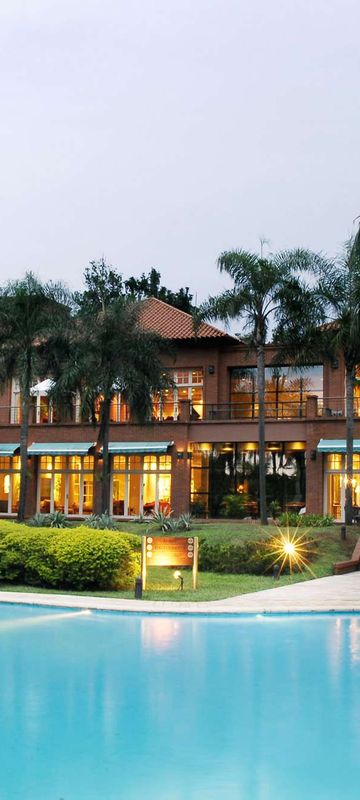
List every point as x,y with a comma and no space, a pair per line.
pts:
178,577
290,550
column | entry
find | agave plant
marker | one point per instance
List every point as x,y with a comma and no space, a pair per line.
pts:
39,521
58,520
185,522
102,522
161,519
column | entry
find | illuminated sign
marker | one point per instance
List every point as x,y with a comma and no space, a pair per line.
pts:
169,551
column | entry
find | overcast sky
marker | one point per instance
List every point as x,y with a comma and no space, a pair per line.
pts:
160,132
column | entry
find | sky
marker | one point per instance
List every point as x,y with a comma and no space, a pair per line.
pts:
158,133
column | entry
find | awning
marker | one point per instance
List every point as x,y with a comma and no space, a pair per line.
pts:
42,388
60,448
132,448
8,449
337,446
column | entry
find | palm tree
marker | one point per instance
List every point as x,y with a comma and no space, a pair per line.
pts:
336,296
107,351
266,291
30,315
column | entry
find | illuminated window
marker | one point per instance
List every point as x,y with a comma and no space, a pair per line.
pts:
286,390
140,484
66,484
188,386
119,462
9,484
334,461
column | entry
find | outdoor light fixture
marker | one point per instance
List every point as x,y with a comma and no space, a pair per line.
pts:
290,550
180,454
178,577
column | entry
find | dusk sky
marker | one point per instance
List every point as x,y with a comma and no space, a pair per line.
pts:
160,132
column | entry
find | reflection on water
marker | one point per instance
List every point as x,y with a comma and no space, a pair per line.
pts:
354,632
48,619
159,633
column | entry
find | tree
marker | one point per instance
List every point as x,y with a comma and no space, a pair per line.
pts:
104,283
31,315
266,291
336,297
150,286
108,351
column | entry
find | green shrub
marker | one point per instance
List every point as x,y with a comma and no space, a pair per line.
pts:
243,557
198,508
235,506
252,557
10,525
293,520
79,558
274,509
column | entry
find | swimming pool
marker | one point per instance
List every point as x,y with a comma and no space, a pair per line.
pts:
110,706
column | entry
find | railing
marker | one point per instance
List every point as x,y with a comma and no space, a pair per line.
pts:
332,407
52,415
247,411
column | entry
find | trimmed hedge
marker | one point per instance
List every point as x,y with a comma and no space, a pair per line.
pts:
243,557
251,557
78,558
294,520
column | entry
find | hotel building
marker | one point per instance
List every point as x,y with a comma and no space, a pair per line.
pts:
201,443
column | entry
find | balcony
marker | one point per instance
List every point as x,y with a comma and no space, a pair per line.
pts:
185,412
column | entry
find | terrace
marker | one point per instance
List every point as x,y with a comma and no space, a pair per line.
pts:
309,407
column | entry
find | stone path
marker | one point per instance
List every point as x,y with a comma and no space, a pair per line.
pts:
336,593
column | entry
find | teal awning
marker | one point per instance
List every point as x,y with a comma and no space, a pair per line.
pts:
133,448
336,445
8,449
59,448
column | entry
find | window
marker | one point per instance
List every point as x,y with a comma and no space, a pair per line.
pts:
9,485
15,410
66,484
286,390
141,484
188,386
335,483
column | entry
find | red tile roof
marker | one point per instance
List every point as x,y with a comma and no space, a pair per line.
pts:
171,323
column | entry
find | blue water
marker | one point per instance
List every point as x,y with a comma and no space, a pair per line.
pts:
114,707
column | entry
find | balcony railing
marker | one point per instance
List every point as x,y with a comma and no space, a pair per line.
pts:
247,411
332,407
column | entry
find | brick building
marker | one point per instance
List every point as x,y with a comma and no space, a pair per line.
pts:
200,445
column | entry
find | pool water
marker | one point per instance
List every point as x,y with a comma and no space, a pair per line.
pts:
113,706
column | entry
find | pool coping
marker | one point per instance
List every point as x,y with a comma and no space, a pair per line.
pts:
340,593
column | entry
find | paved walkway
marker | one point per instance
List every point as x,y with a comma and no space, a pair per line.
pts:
336,593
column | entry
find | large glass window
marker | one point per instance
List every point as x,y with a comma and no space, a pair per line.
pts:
286,390
188,385
140,484
9,484
225,477
66,484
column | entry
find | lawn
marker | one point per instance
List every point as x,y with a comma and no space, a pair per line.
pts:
162,586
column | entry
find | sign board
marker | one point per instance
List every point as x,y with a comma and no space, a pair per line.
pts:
169,551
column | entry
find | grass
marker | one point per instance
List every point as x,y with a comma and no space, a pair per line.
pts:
162,586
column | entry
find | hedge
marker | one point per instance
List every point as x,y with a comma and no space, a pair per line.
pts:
78,558
243,557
